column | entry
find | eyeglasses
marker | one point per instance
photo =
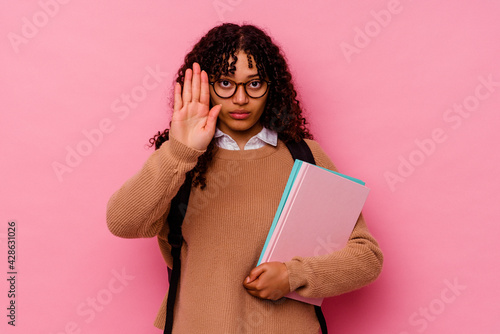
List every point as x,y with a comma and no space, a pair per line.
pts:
226,88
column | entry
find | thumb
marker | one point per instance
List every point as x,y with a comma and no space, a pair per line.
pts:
212,116
255,273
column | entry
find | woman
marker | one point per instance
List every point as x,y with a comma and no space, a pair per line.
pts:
234,108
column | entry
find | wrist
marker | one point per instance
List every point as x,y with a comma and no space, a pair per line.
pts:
181,151
295,275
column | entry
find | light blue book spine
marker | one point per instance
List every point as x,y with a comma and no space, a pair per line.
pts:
291,179
284,197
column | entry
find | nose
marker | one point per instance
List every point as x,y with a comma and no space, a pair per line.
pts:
240,97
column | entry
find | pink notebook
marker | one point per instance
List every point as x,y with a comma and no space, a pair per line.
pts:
316,217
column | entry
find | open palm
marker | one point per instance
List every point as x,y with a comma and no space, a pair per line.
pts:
193,122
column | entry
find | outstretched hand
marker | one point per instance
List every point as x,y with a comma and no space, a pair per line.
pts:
193,122
268,281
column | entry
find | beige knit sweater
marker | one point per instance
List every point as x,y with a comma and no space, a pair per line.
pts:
225,229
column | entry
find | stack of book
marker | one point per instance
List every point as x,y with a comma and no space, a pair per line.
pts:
316,216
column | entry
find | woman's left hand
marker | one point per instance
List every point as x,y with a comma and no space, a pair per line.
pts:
268,281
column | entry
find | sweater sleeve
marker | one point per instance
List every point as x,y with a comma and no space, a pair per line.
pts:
138,209
356,265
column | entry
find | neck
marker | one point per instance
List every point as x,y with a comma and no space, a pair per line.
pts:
242,137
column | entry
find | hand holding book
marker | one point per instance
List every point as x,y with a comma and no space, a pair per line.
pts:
317,206
268,281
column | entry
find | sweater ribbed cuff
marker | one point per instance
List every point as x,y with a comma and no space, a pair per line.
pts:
296,275
181,152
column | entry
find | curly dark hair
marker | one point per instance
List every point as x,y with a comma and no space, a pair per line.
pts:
282,112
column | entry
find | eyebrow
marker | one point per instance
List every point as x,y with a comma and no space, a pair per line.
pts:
230,75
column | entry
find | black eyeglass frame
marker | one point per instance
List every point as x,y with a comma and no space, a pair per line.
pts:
244,88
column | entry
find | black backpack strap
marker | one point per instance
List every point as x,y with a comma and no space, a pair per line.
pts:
302,152
321,319
175,217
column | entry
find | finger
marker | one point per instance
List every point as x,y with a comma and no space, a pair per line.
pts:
265,293
177,97
205,92
196,82
254,293
255,273
212,117
274,295
186,92
252,286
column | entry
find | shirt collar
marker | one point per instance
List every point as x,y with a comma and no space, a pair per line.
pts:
265,136
268,136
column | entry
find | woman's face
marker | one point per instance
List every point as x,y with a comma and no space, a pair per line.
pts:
240,114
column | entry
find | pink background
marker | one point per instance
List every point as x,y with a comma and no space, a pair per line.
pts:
379,93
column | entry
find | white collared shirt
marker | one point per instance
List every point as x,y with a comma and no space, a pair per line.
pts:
265,136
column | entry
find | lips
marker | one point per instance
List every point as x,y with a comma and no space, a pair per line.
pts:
239,114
